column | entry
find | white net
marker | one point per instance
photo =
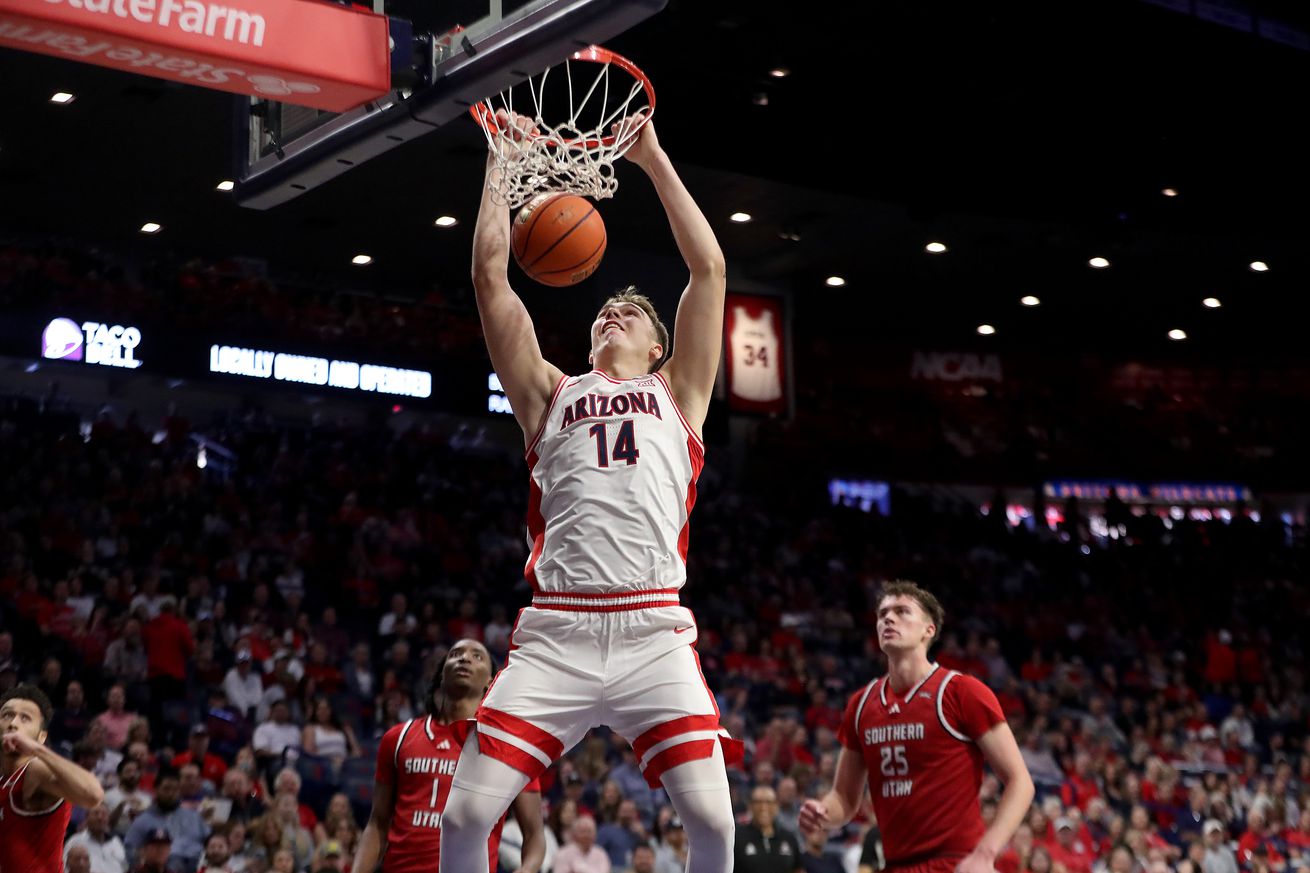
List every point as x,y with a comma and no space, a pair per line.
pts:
575,154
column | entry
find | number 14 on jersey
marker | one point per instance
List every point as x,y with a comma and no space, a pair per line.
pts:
625,444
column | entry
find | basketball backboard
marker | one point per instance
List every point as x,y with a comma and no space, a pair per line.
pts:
286,150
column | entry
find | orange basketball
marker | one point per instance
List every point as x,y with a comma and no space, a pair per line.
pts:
558,239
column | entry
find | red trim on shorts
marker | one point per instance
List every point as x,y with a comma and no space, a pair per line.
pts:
692,750
614,608
508,753
524,730
670,729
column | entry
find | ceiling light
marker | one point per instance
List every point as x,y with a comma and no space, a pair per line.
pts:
1177,334
1260,266
63,98
935,247
780,72
1211,303
446,221
791,235
740,217
986,329
760,99
361,260
1170,192
151,227
834,281
1030,300
226,185
1098,262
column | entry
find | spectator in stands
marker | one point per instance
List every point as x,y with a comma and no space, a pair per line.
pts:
326,736
671,852
399,621
126,662
106,759
329,858
77,859
185,828
243,685
156,851
267,839
360,681
217,854
322,676
238,790
191,788
70,721
288,783
619,836
643,859
240,852
127,799
104,849
761,846
169,646
816,858
116,719
581,854
338,811
275,736
212,767
287,813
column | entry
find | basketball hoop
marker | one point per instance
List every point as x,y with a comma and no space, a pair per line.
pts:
577,153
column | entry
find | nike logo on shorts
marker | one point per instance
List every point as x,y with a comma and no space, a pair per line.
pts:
678,630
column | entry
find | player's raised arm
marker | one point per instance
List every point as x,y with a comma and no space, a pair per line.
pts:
51,775
836,807
698,328
511,339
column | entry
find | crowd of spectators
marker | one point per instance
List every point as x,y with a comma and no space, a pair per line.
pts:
225,648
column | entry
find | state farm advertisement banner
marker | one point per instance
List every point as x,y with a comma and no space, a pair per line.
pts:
306,52
756,360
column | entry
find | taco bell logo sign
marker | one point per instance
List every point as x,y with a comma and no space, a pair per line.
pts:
108,345
62,340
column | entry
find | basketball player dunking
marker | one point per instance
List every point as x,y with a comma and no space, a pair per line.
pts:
918,738
36,786
416,760
614,455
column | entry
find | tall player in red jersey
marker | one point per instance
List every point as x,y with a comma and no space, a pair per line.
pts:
36,786
918,737
416,761
613,458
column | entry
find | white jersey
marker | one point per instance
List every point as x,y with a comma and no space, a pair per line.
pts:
754,345
613,470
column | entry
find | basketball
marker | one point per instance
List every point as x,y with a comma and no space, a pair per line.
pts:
558,239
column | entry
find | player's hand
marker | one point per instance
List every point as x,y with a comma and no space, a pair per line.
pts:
814,816
519,128
638,139
16,743
975,862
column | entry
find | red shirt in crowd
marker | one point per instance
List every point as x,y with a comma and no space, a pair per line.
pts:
169,646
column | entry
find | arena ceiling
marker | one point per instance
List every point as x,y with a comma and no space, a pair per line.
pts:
1028,137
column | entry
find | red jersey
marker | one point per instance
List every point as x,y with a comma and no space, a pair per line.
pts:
418,757
31,841
920,752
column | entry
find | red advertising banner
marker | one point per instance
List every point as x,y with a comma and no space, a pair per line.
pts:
756,345
307,52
